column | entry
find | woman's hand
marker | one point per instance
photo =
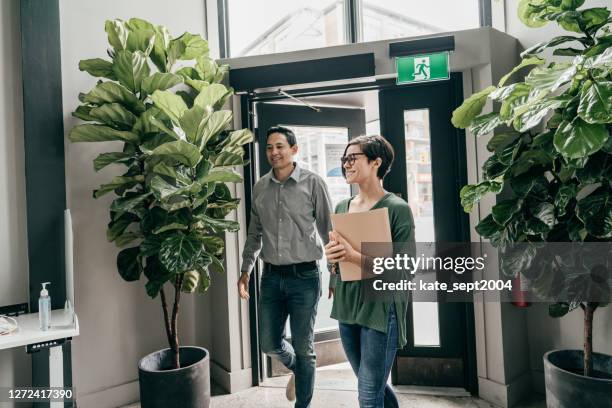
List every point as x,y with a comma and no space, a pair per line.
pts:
339,250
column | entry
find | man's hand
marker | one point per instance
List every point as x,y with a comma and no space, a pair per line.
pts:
331,292
243,285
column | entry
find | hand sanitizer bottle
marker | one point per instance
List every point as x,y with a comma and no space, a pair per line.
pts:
44,308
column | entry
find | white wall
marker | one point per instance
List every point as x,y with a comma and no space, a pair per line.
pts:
14,365
119,323
546,333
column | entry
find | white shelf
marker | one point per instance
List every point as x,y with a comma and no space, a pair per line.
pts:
29,332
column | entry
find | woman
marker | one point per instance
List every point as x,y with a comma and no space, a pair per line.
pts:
369,330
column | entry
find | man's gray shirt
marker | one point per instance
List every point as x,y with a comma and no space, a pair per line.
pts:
283,219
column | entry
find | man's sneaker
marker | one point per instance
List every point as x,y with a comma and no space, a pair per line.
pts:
290,392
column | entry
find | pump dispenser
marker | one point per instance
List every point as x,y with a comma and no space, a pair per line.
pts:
44,307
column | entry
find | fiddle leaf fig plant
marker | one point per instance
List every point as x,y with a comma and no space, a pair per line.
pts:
162,99
551,153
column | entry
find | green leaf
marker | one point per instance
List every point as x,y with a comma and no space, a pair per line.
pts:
536,49
595,211
529,14
174,53
545,212
558,309
110,92
488,227
500,141
571,4
595,16
226,159
529,159
551,78
567,52
160,81
128,264
505,210
195,46
218,225
163,190
159,124
158,54
472,193
132,203
116,183
484,124
165,170
154,140
518,96
603,59
596,102
471,107
565,194
180,252
222,176
142,39
99,133
104,159
570,21
175,226
524,63
172,105
212,96
218,121
114,114
538,111
239,138
117,227
127,238
82,112
191,280
117,34
98,67
131,68
193,123
180,150
579,139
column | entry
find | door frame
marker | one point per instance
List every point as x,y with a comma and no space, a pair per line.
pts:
247,110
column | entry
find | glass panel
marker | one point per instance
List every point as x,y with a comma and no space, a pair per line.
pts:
284,25
320,149
425,324
385,19
420,198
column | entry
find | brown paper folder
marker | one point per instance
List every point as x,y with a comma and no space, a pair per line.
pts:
360,227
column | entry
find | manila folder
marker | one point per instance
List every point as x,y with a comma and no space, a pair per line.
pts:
358,228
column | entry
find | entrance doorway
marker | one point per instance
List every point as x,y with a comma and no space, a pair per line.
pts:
428,172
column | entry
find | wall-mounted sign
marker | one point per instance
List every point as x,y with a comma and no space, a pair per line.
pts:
422,68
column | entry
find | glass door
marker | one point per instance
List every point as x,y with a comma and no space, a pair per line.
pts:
429,171
322,134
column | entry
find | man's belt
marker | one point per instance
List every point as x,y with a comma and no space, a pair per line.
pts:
296,267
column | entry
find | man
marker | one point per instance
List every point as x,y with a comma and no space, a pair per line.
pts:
290,204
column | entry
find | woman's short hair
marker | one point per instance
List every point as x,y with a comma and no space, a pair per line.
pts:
373,147
289,135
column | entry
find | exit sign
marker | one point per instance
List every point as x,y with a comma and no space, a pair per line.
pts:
422,68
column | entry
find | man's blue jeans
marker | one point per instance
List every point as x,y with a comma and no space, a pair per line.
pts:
371,355
293,294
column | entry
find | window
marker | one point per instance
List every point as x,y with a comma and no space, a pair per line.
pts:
272,26
387,19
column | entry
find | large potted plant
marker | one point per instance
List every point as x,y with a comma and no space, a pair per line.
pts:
171,200
551,167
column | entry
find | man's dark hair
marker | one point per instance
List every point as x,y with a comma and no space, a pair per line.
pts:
374,147
289,135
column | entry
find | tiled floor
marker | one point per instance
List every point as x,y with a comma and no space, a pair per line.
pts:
336,388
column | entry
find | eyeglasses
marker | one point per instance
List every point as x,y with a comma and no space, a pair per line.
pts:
350,158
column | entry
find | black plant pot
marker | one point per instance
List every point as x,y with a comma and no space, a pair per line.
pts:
567,388
185,387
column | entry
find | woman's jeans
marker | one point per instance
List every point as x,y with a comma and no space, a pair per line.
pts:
371,354
294,294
